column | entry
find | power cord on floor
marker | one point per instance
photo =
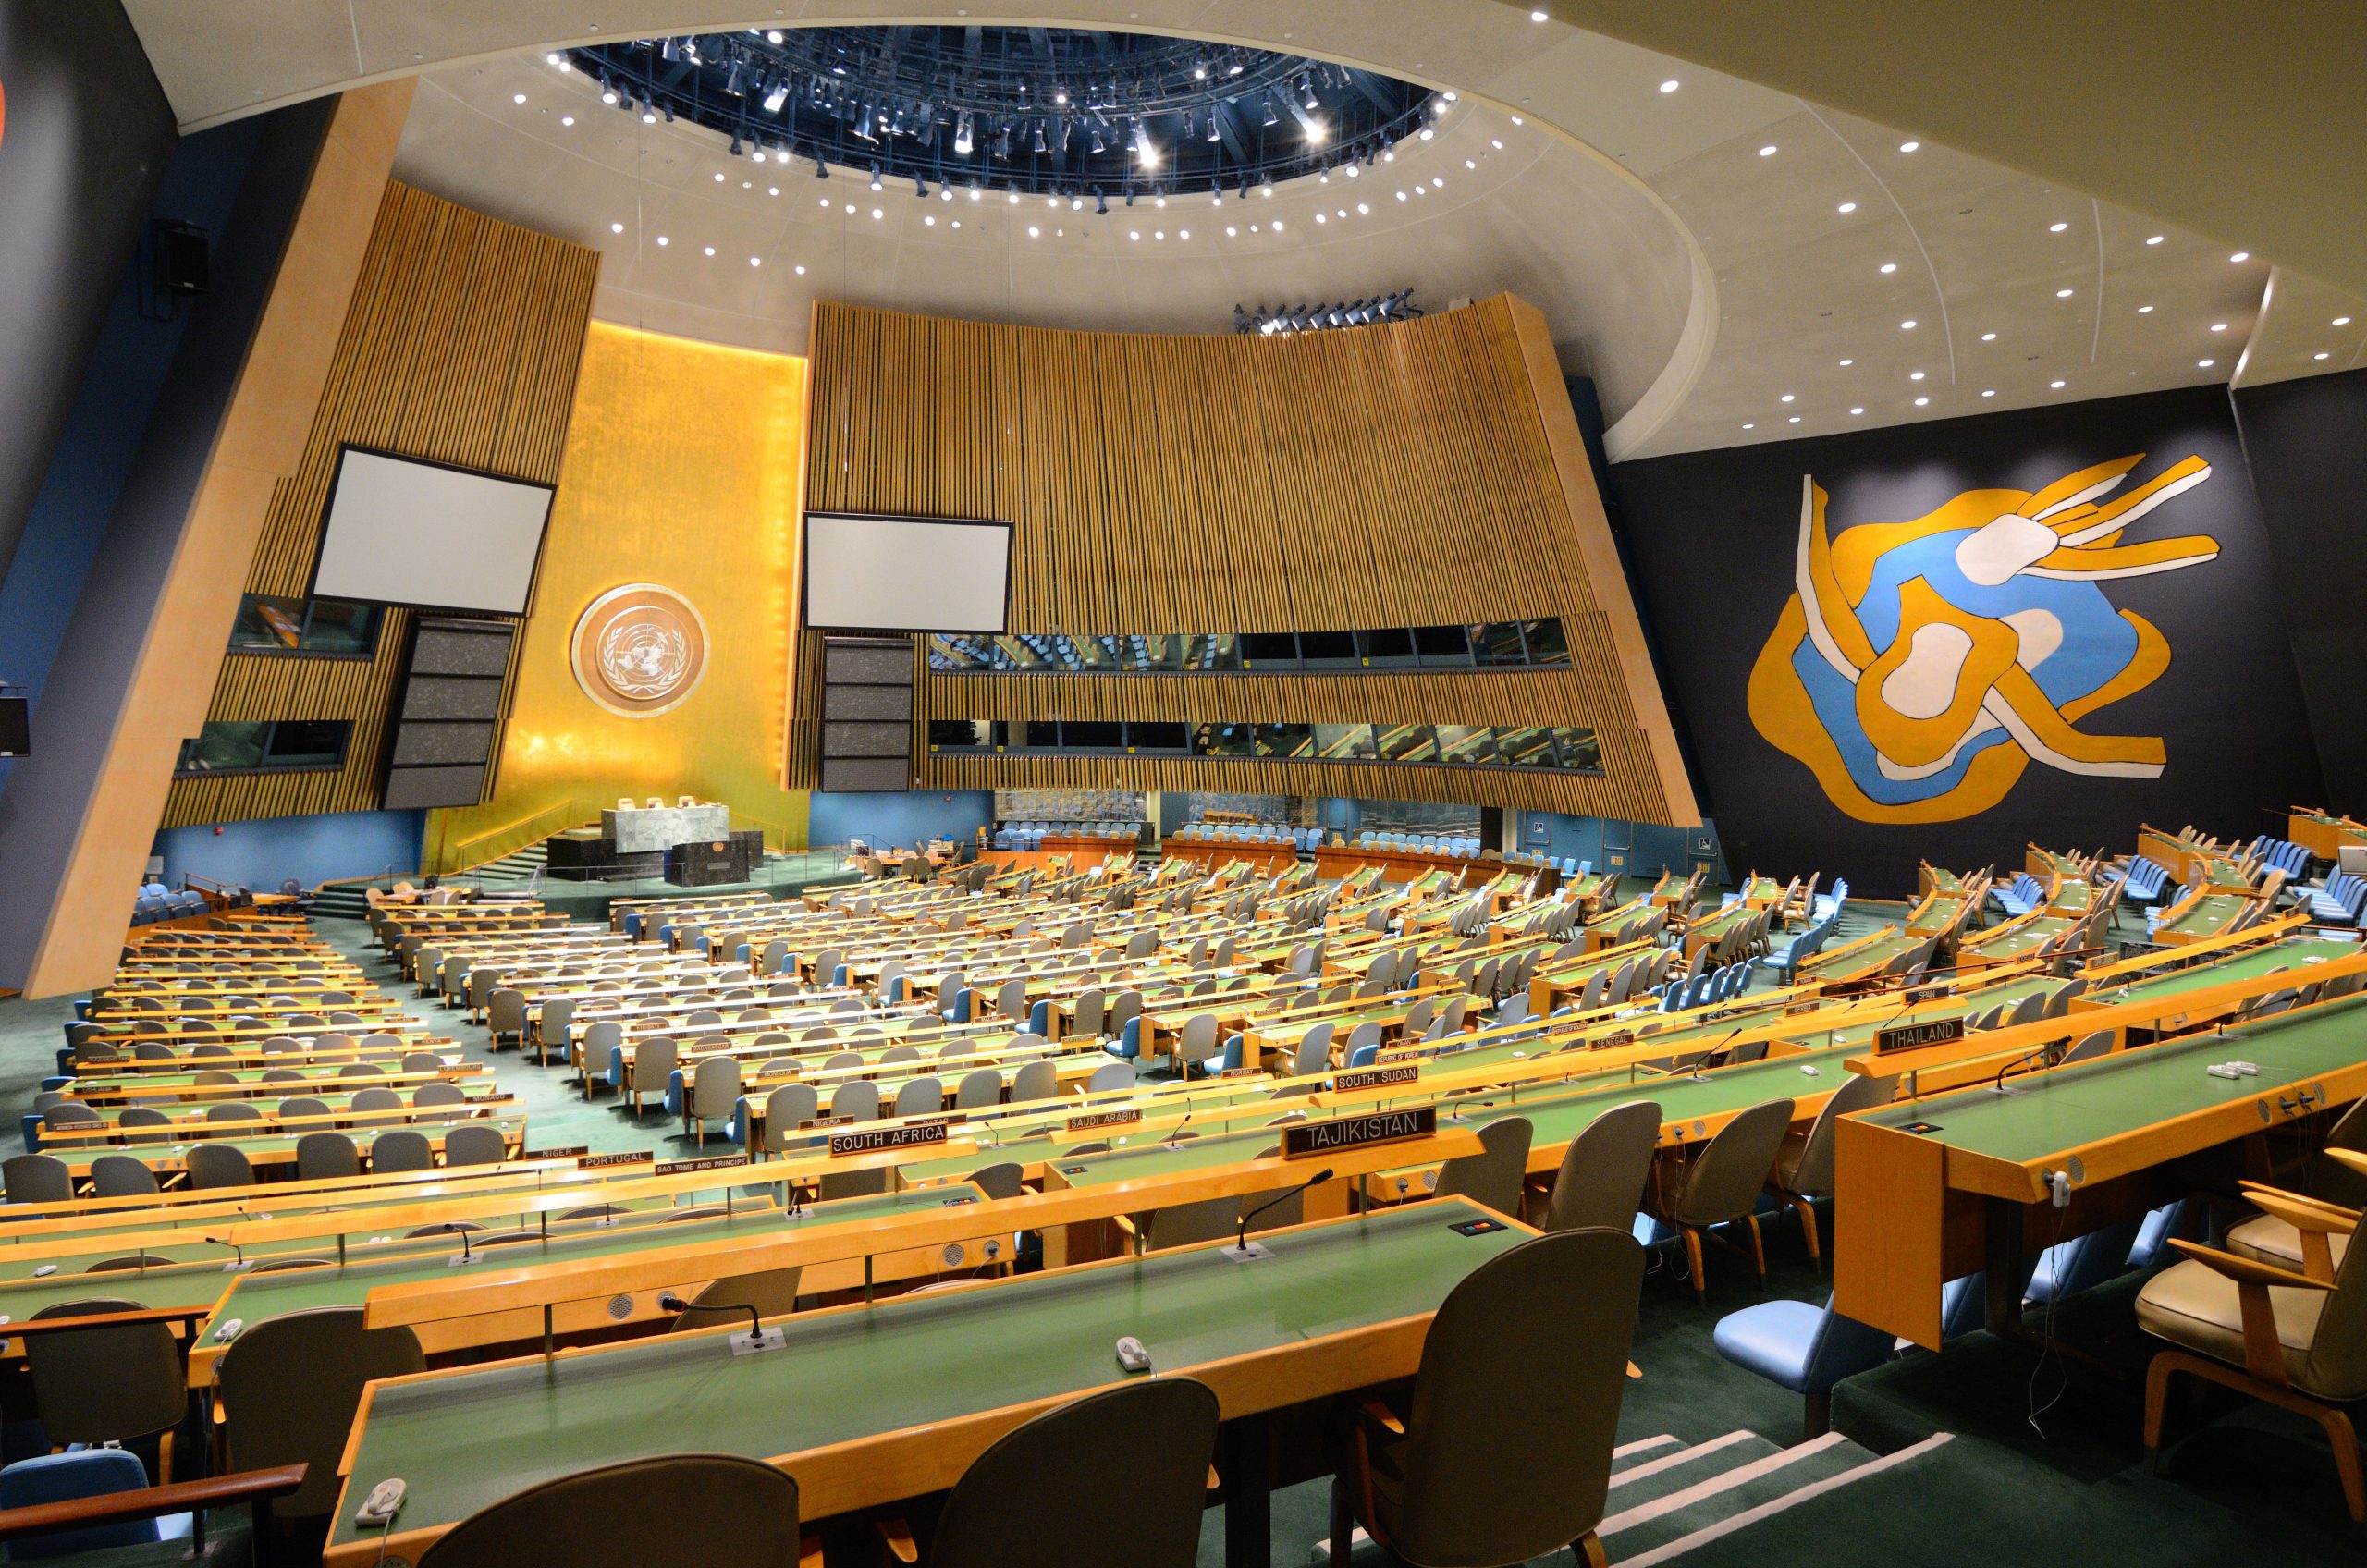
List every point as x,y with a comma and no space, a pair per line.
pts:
2047,1347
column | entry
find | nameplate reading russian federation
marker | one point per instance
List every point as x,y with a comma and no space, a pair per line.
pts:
1093,1119
1355,1131
872,1139
602,1161
1373,1078
1914,1036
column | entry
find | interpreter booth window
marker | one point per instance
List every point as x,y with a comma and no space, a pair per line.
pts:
264,746
333,627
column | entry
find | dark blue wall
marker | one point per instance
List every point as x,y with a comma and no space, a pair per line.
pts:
1649,849
899,819
313,849
104,425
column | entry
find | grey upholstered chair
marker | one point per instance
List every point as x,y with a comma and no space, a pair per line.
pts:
1493,1175
290,1385
1726,1181
714,1508
1601,1184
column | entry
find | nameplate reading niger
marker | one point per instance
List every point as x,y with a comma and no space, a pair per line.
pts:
1355,1131
1092,1120
573,1151
1374,1078
1914,1036
872,1139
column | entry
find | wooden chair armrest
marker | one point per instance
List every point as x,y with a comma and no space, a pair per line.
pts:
146,1502
2248,1272
2301,1212
896,1534
2351,1157
1381,1415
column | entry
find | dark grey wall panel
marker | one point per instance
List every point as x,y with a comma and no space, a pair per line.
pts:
442,650
840,775
885,704
409,788
419,744
438,696
867,740
886,666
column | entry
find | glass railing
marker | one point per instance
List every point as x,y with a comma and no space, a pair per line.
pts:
1564,748
1503,645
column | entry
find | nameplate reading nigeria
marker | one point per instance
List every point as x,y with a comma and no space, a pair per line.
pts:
873,1139
1355,1131
1914,1036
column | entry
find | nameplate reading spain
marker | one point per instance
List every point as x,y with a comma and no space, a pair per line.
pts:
1355,1131
1092,1120
1374,1078
873,1139
1914,1036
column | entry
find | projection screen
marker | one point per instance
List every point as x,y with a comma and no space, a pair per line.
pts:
906,574
399,530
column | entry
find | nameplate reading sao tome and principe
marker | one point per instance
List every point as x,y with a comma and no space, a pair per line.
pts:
1355,1131
703,1162
1098,1118
1914,1036
1373,1078
873,1139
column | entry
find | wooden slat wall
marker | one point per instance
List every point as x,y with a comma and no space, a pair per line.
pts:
1388,476
461,345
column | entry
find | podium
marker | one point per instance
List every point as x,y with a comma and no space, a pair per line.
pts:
717,862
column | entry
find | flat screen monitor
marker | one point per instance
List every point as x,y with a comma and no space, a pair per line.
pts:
400,531
906,574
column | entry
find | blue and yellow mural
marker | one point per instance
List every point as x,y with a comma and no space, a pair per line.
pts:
1919,667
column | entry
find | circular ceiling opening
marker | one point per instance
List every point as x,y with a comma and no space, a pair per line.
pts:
1028,110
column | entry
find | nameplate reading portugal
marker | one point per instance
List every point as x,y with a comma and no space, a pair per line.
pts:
1915,1036
602,1161
1093,1119
1355,1131
1373,1078
873,1139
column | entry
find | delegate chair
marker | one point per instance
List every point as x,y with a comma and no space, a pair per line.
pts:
1601,1184
71,1477
37,1178
717,1510
1804,1169
771,1291
475,1145
715,1094
324,1156
401,1149
121,1176
290,1385
1492,1176
218,1165
1802,1347
1117,1479
118,1383
1469,1478
1725,1183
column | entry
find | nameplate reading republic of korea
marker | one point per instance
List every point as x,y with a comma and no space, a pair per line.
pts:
1355,1131
875,1138
1092,1120
601,1161
1913,1036
1373,1078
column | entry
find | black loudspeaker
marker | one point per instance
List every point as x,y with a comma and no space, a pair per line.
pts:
15,727
183,267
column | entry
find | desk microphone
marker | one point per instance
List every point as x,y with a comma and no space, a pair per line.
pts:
1243,1250
218,1241
758,1337
1175,1133
1998,1084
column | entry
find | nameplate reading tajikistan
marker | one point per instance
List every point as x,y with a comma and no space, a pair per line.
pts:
873,1139
1355,1131
1092,1120
1914,1036
1374,1078
602,1161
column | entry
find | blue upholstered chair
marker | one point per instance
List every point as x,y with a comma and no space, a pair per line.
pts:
67,1478
1804,1348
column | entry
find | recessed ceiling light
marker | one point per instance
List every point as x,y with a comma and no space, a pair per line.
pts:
1856,410
1915,376
1537,17
1890,266
2062,293
1906,326
1768,151
2241,257
2056,228
1920,402
1183,234
826,203
877,213
517,97
1794,419
1230,232
1134,233
710,250
1846,364
1849,206
616,228
1989,338
2204,364
663,241
801,271
1909,146
2218,327
1321,218
929,220
566,120
756,261
1669,86
2145,310
2056,385
1989,391
1750,427
2321,356
1363,210
2154,239
1784,399
2342,321
719,177
1033,232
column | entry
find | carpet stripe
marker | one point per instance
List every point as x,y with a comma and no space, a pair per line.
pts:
1644,1512
1682,1456
1672,1550
1639,1445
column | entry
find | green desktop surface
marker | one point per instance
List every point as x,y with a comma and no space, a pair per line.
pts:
2211,913
79,1160
2046,1113
2300,954
463,1440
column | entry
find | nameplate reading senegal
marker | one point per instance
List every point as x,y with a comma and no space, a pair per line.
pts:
1374,1078
1615,1039
602,1161
1355,1131
1092,1120
1914,1036
872,1139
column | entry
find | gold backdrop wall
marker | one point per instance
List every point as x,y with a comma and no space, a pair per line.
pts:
681,470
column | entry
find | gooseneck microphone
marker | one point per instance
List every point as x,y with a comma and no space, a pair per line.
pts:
219,1242
673,1302
1241,1251
1175,1133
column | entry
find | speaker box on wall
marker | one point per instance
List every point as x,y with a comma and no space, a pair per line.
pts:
16,726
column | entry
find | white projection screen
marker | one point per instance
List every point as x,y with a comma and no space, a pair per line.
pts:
399,530
906,574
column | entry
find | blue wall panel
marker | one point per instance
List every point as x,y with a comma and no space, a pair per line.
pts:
313,849
899,819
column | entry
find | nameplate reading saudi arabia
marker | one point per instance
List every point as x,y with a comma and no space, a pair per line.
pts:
1355,1131
1914,1036
1373,1078
1092,1120
872,1139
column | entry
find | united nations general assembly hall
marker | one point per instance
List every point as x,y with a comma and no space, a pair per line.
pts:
1419,784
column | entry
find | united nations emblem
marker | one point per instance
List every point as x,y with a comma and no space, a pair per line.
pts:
639,650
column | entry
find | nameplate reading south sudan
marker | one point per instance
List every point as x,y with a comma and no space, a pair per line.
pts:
873,1139
1092,1120
602,1161
1355,1131
1914,1036
708,1162
1373,1078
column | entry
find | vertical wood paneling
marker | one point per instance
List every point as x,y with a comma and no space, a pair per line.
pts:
460,345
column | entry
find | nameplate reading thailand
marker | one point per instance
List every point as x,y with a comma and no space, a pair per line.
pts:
708,1162
602,1161
1355,1131
1093,1119
1373,1078
1914,1036
873,1139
